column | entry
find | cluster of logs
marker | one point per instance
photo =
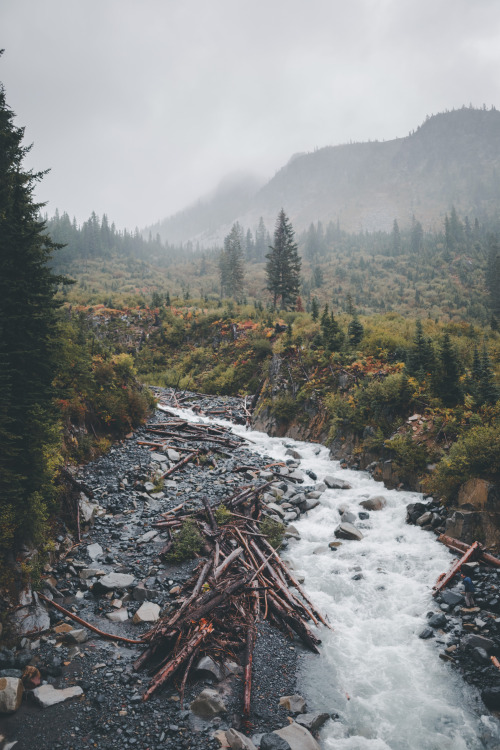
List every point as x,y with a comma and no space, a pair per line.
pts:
238,413
242,579
467,553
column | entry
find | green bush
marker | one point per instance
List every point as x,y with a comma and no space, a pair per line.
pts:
187,543
222,515
410,457
284,408
273,530
475,454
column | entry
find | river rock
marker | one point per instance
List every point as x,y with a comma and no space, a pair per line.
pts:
76,635
87,509
273,741
147,537
472,641
208,703
312,722
451,598
238,741
480,655
173,455
348,531
34,618
120,615
297,737
276,509
11,694
297,475
147,612
113,581
424,519
293,453
336,484
374,503
94,550
437,620
426,633
47,695
291,532
207,664
293,703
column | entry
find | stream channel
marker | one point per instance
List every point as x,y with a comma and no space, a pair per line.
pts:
389,687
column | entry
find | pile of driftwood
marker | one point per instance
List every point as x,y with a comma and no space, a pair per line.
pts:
234,411
242,579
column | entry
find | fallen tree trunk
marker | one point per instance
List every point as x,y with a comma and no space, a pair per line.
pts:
445,578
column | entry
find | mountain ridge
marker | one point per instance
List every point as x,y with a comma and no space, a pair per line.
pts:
452,159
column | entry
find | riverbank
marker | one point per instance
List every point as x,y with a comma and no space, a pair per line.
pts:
122,499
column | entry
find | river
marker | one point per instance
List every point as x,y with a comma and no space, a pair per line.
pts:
389,687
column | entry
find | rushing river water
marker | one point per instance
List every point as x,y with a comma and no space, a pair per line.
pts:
389,687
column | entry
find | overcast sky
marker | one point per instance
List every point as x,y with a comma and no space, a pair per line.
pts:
139,107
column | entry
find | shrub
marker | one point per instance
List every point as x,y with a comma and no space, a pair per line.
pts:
409,456
222,515
475,454
284,408
187,543
273,530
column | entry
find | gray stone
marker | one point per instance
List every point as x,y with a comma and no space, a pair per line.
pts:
276,509
238,741
308,505
472,641
298,737
208,703
424,519
114,581
336,484
297,475
78,635
47,695
348,531
94,550
173,455
314,495
147,537
86,573
312,722
120,615
11,694
32,619
293,453
451,598
147,612
293,703
374,503
87,509
159,457
140,593
207,664
426,633
273,742
480,655
291,532
437,620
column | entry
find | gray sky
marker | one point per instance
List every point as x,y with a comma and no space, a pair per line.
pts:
139,107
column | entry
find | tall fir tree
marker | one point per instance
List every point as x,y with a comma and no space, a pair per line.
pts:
29,439
283,264
231,264
447,374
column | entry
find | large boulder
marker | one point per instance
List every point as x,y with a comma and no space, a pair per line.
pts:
208,704
348,531
147,612
374,503
312,722
11,694
293,703
272,741
113,581
238,741
336,484
297,737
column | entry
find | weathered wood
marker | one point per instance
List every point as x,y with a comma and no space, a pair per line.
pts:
458,546
445,578
210,514
181,463
249,647
227,562
172,666
295,623
86,624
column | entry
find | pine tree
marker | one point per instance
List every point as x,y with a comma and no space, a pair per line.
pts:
447,376
29,440
283,264
355,331
487,391
314,309
420,360
231,266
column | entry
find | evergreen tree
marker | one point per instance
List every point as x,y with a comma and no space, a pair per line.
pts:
396,239
447,376
231,267
29,439
283,264
261,240
420,360
487,391
355,331
314,309
332,336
